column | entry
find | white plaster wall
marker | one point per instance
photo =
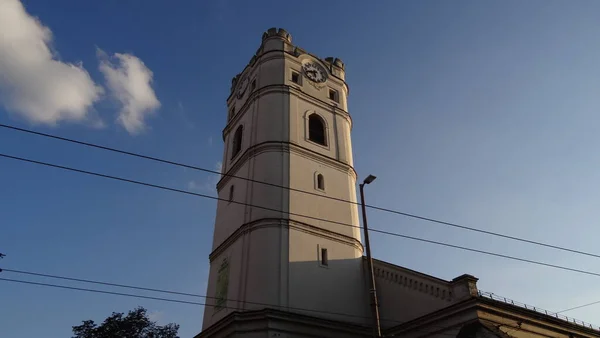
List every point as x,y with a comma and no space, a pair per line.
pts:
338,184
404,295
271,117
335,288
399,303
257,263
269,70
266,255
344,140
270,167
234,254
272,264
229,215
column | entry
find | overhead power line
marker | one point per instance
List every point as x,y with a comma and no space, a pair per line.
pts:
89,281
171,300
299,215
580,306
405,214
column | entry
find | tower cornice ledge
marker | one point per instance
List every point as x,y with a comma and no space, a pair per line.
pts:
246,322
286,147
293,52
285,222
286,89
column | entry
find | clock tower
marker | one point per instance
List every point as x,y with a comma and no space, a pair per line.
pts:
287,148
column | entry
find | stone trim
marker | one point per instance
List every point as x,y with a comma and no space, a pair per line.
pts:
410,271
269,319
283,89
279,222
295,52
533,318
435,289
278,146
481,306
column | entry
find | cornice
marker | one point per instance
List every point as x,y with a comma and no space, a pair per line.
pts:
279,146
285,222
503,310
235,319
261,57
283,89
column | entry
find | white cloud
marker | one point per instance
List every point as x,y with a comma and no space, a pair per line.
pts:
129,81
34,84
193,186
209,184
155,316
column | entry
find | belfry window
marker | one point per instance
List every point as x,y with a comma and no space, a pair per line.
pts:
295,77
237,141
316,129
231,190
320,182
333,95
324,258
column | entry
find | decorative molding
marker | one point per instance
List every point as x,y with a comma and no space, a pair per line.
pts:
294,52
283,222
269,320
284,89
435,290
286,147
328,138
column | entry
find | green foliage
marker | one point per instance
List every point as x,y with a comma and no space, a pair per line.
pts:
135,325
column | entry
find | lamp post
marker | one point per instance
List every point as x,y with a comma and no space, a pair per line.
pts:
372,289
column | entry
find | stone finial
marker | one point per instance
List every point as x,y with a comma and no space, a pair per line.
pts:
234,81
282,33
339,63
329,59
470,281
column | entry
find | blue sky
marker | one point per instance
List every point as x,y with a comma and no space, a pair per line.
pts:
483,113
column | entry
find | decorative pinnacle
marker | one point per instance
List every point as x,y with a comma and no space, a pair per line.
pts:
336,62
277,32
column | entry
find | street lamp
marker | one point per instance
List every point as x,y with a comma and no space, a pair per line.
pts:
372,289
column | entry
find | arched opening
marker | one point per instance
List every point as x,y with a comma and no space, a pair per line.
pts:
320,182
316,129
237,141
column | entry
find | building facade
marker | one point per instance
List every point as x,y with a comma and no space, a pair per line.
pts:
288,130
287,258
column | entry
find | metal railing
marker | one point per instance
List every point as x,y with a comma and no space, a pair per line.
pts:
537,309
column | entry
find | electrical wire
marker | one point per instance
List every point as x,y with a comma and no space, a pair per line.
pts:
169,292
580,306
301,215
405,214
171,300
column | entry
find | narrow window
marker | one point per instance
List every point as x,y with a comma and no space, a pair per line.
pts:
253,86
231,189
324,260
320,182
295,77
237,141
316,129
333,95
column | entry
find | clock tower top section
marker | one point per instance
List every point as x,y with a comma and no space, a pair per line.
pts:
317,71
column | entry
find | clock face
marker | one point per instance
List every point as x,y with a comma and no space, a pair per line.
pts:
314,72
242,87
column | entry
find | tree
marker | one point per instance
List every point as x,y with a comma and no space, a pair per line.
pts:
135,325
